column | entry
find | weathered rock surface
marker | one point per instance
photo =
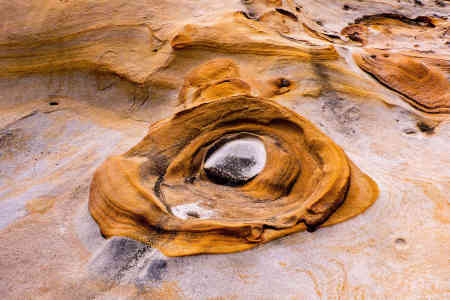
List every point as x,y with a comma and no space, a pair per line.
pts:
83,80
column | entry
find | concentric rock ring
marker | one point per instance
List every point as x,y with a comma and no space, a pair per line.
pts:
158,192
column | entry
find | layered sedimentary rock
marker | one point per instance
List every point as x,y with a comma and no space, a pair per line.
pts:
420,80
226,174
82,80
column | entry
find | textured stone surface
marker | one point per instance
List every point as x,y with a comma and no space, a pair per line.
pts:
111,69
237,161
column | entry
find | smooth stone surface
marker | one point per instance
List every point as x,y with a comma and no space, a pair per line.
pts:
237,161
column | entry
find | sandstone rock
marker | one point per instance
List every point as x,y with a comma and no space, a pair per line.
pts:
82,80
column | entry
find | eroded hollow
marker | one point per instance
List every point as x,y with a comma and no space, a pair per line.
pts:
235,162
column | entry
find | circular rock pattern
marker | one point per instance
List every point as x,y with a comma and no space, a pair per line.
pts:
225,176
236,162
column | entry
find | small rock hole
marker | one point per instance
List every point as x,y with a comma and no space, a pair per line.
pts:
424,127
400,243
53,103
373,56
283,83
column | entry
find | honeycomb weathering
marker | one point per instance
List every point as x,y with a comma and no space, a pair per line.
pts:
307,181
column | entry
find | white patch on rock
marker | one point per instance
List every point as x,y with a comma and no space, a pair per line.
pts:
191,210
248,148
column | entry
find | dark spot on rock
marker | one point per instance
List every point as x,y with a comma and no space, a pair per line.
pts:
354,36
346,7
320,23
117,256
53,103
287,13
440,3
385,55
193,214
298,9
230,171
400,243
282,82
156,269
418,2
419,21
189,179
424,127
333,36
409,131
373,56
352,114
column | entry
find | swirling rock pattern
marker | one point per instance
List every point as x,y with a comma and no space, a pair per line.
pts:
420,80
82,80
176,191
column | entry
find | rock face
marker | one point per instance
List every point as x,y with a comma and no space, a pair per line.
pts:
81,81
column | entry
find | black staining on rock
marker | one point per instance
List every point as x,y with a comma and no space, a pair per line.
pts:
418,3
298,9
7,137
440,3
53,103
410,131
318,22
333,36
105,80
419,21
230,171
190,179
346,7
235,162
354,36
343,112
373,56
156,270
157,165
12,141
287,14
118,255
139,94
425,128
351,114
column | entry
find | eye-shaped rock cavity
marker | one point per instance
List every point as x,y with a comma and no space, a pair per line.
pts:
236,162
227,175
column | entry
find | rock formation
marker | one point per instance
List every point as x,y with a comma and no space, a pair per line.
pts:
81,81
301,177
